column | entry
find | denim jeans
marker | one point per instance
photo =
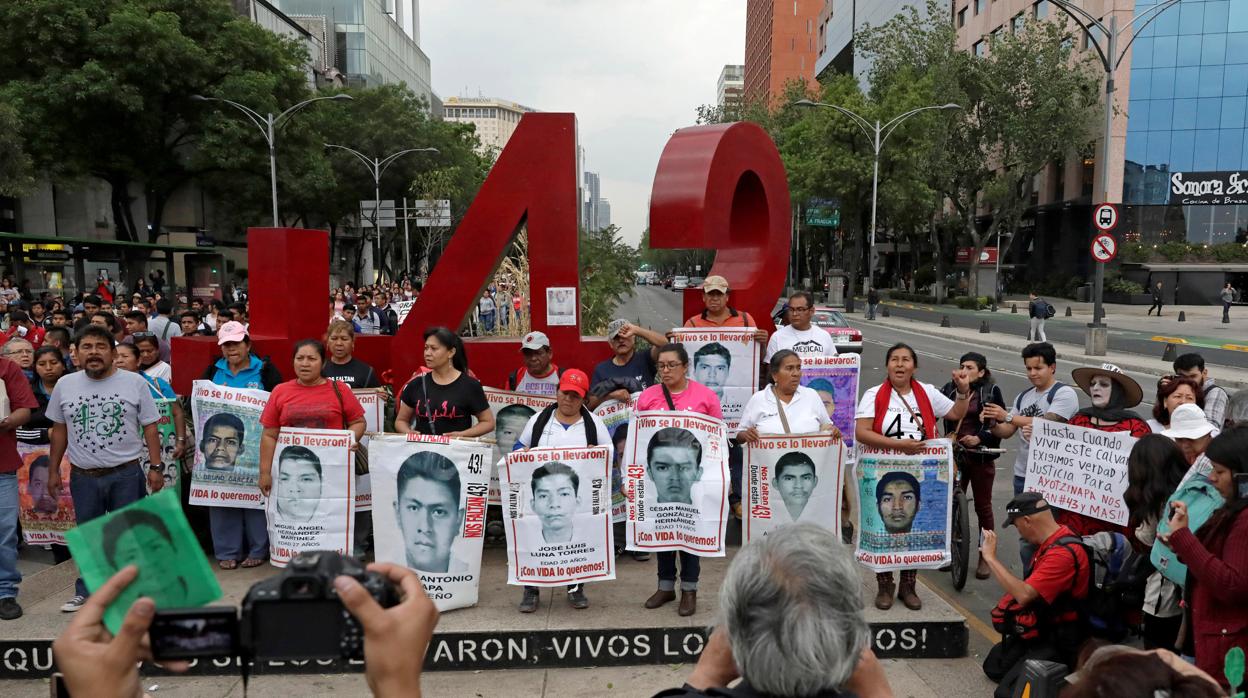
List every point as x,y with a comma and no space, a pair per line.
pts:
97,496
1026,550
233,529
9,576
487,321
690,570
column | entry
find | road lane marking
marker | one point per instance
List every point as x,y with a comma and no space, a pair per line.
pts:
1170,340
972,620
1235,347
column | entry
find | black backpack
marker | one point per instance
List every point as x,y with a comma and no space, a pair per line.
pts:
543,418
1114,590
1049,310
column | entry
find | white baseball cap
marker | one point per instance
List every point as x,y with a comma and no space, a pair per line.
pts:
1188,422
535,341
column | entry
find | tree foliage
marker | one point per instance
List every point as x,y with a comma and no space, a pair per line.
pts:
606,269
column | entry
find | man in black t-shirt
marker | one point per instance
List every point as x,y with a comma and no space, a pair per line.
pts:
342,366
627,363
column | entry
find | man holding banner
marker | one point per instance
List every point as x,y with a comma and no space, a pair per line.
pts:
20,401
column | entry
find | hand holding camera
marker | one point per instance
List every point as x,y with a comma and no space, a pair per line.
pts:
395,638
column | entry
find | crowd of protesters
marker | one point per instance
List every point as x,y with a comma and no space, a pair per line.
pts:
57,356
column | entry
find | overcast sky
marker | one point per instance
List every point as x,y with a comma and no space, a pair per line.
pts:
633,71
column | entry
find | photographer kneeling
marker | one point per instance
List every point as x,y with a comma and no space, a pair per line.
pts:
1038,617
395,639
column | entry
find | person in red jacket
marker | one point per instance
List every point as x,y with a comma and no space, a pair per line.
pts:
1217,558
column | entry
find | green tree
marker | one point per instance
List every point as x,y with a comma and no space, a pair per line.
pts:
103,88
16,168
606,266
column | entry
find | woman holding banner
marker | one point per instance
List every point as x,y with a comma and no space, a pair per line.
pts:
786,406
234,529
127,359
443,400
900,414
676,392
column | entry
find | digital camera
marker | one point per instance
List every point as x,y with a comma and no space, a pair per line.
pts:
294,615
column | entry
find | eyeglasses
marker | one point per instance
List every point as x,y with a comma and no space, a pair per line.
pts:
669,365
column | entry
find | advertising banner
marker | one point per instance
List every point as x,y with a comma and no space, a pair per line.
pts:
312,505
726,361
907,504
227,449
793,478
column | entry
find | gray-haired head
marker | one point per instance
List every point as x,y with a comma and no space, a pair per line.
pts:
1237,409
792,609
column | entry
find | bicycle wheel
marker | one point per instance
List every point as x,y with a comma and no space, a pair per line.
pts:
960,543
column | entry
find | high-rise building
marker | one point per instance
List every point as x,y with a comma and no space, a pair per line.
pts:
369,46
589,205
841,21
495,119
730,87
407,14
604,214
1179,141
779,45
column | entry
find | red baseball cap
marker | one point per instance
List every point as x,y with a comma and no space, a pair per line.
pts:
574,380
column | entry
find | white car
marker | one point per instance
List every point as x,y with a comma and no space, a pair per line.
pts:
680,283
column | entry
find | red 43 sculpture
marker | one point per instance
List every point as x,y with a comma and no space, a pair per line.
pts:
718,187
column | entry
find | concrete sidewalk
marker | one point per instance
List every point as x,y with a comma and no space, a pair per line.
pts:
1201,322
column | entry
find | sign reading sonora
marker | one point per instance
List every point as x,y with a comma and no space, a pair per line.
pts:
1209,188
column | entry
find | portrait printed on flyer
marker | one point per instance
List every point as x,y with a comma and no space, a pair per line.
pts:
44,518
227,445
676,483
511,412
557,514
726,361
835,380
373,400
429,504
312,504
616,415
906,507
793,478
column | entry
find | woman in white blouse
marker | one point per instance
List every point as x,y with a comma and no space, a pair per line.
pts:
785,406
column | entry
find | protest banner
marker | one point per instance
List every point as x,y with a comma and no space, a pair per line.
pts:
676,483
402,308
1080,469
312,504
170,467
558,516
726,361
615,415
373,401
907,505
153,535
835,379
793,478
227,450
44,519
511,412
429,503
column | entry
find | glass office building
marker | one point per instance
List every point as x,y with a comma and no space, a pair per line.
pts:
1186,168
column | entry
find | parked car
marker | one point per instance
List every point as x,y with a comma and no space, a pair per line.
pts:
696,281
846,338
680,283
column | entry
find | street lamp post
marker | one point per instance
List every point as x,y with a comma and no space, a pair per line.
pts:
1111,57
377,167
878,133
268,125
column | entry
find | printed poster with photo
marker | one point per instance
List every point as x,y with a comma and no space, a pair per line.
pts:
227,445
561,306
429,504
726,361
793,478
170,467
44,519
906,507
373,400
835,380
511,412
676,483
558,516
312,503
615,415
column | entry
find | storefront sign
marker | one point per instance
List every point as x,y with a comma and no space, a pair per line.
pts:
986,256
1209,188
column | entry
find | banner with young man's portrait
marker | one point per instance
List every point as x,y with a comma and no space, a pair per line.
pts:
312,503
169,467
227,445
557,513
429,504
676,482
511,412
835,380
373,400
726,360
906,507
793,478
44,518
616,415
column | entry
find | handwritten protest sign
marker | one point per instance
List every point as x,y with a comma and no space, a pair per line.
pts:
793,478
907,504
676,483
558,516
227,452
1080,469
726,361
429,503
511,412
312,506
835,380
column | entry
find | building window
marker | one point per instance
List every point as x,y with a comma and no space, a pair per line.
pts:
979,6
979,49
962,18
1042,9
1018,23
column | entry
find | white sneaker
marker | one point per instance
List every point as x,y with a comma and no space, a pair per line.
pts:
73,604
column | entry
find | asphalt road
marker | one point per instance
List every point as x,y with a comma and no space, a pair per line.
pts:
658,309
